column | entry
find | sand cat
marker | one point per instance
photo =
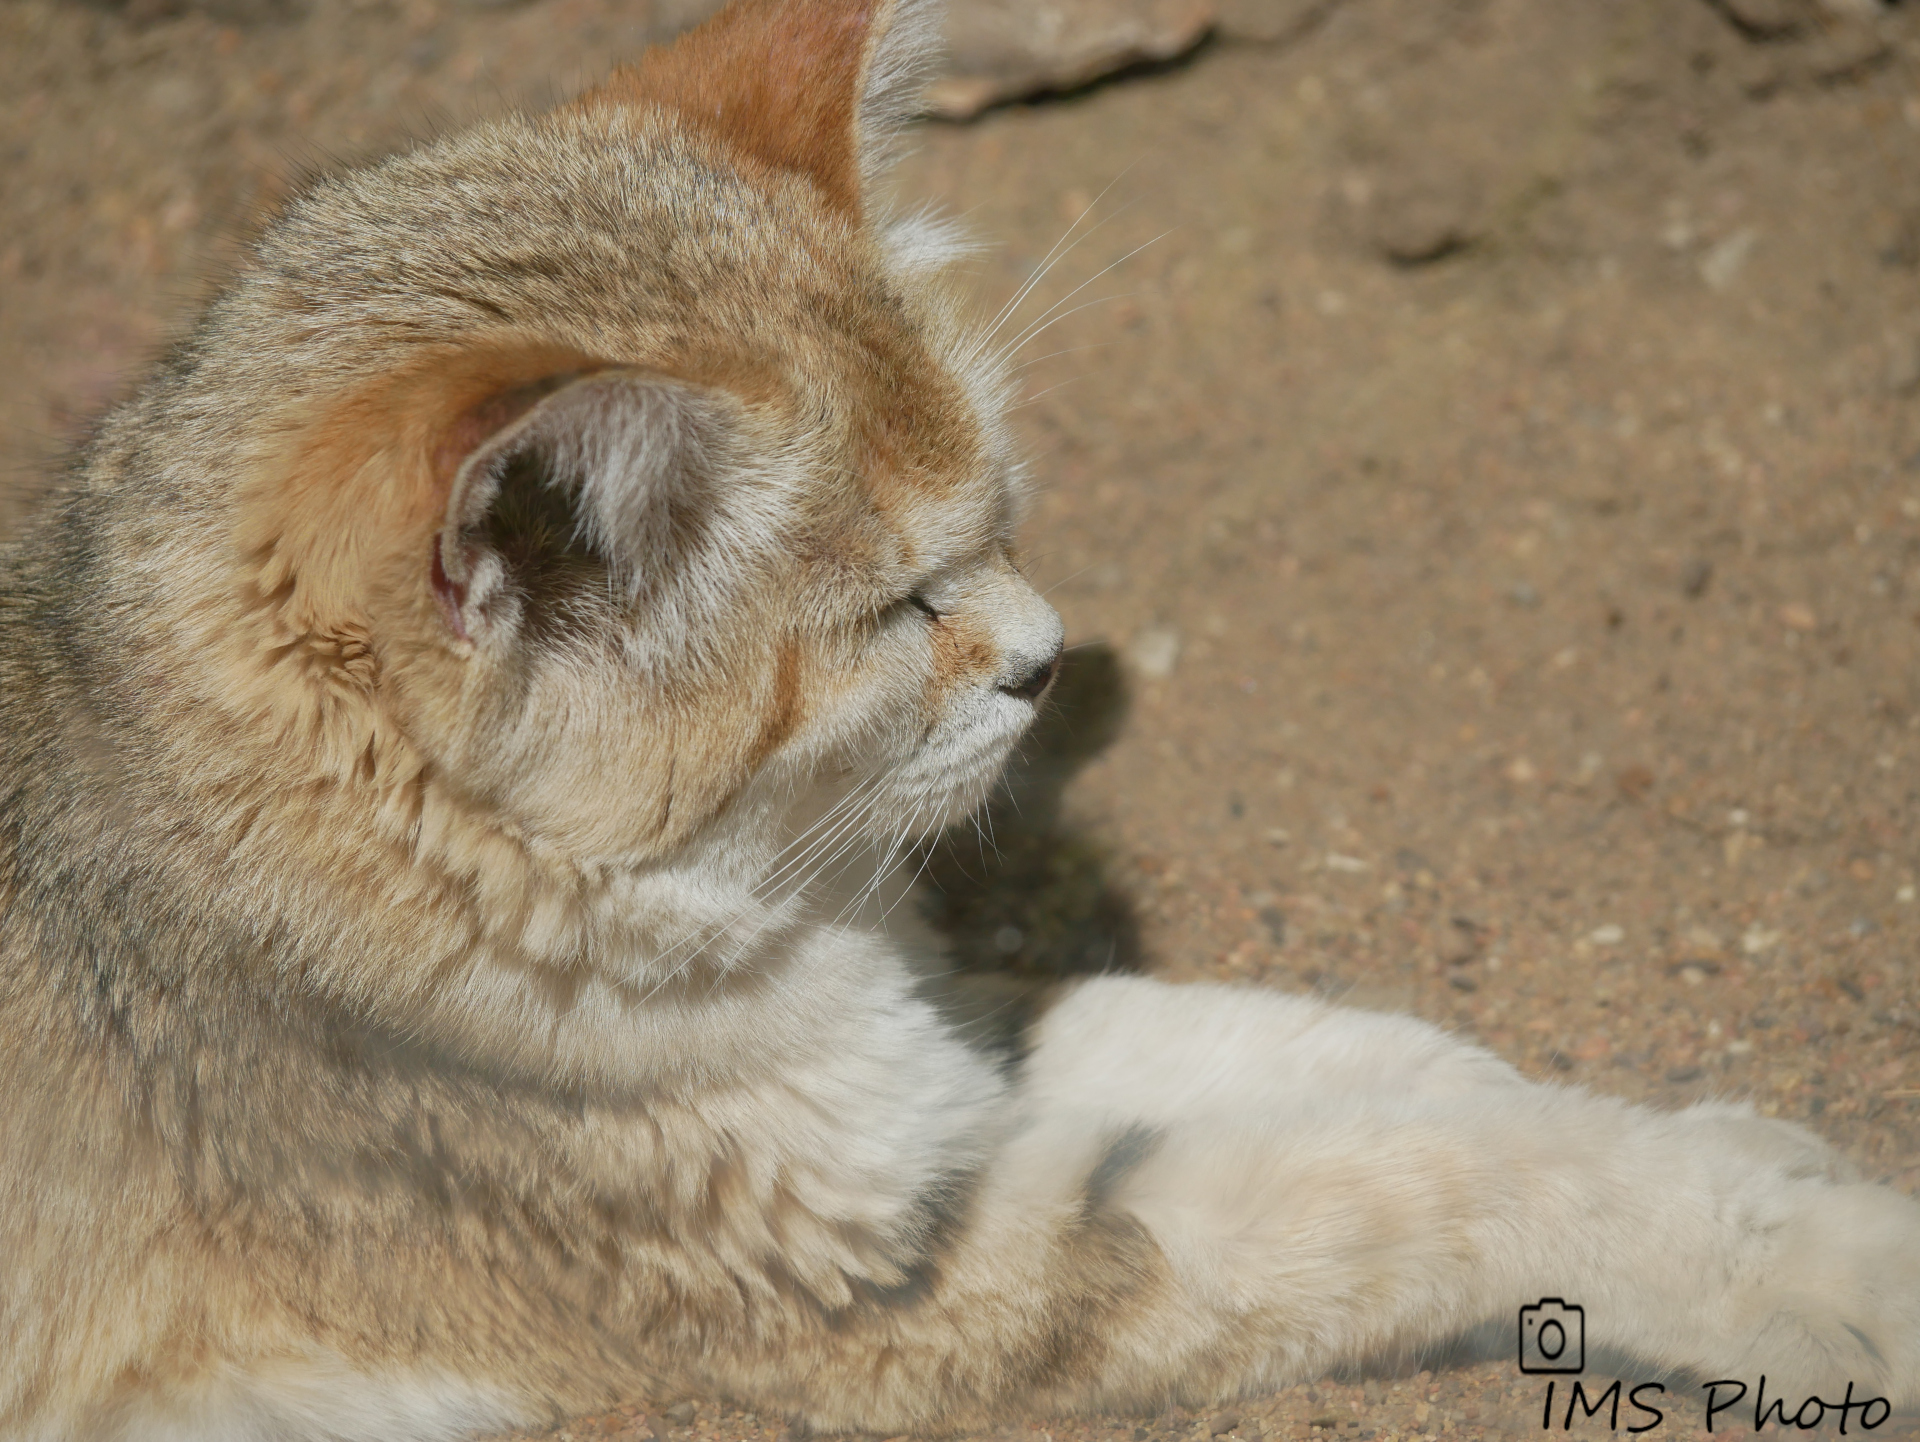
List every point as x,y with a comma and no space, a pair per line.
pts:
426,708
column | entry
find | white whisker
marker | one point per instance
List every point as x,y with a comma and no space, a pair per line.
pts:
1047,262
1030,330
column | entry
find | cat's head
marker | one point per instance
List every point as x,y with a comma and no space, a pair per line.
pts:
623,477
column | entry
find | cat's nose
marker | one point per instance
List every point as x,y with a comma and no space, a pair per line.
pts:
1033,685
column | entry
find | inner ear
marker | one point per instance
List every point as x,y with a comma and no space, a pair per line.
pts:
544,544
556,519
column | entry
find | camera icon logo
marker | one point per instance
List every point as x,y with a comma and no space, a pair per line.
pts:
1553,1336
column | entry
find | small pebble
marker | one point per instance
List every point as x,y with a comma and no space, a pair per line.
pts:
1424,220
1903,365
1275,921
1155,652
1766,19
1722,264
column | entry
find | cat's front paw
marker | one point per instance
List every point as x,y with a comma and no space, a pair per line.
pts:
1840,1300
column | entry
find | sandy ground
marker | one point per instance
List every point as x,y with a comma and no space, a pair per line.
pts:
1488,505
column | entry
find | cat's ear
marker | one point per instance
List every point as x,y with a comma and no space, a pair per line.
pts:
576,482
819,87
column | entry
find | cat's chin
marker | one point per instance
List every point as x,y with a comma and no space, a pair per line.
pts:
949,777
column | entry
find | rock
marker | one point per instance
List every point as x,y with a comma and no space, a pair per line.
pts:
1903,243
1767,19
1696,576
1722,265
680,1414
1155,652
1903,365
1847,53
1271,22
1459,942
1422,217
1225,1422
1826,43
1000,50
1634,781
1275,920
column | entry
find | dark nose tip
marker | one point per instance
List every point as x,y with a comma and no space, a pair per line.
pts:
1033,685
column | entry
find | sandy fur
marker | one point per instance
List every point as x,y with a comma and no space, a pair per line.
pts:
442,712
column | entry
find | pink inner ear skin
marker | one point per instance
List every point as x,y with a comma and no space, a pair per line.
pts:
451,595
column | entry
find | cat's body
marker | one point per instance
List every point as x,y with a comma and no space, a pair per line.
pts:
427,708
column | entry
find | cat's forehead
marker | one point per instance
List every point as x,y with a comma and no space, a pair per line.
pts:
617,241
639,244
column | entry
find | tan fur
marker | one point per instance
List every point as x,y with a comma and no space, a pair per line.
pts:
440,711
795,116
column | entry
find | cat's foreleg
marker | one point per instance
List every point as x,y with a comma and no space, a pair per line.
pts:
1351,1185
1200,1191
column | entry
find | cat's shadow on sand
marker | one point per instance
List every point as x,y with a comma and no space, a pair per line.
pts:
1022,897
